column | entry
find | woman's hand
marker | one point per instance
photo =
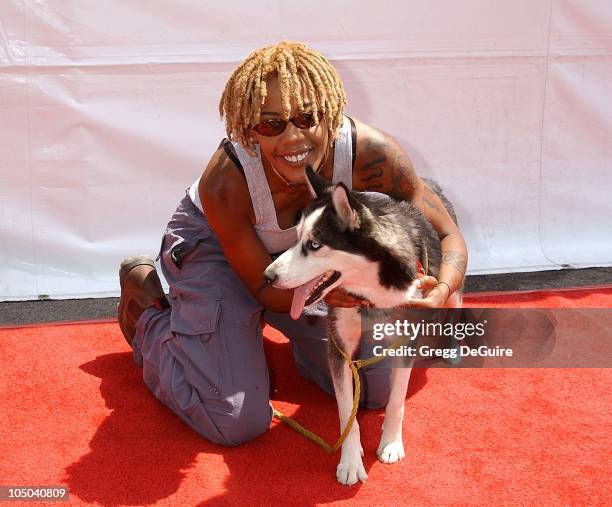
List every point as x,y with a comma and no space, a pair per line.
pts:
339,297
435,294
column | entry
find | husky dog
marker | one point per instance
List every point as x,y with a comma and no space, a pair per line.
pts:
372,246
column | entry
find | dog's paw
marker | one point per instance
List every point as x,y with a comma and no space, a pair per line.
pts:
391,452
350,471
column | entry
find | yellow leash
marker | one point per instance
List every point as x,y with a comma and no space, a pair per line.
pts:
355,365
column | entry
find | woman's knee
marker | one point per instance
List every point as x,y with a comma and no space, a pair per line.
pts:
249,426
232,429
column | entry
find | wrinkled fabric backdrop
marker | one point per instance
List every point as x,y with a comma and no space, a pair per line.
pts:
108,111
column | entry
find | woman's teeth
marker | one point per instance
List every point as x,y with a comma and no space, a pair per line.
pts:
295,158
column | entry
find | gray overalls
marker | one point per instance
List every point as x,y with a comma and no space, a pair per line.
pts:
204,358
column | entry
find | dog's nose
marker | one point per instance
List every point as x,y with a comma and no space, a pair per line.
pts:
270,276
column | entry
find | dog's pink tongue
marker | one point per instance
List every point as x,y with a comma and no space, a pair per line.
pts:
299,297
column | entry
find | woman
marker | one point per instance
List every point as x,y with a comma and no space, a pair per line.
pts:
201,350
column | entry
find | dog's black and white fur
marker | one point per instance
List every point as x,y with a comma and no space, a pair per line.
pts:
370,245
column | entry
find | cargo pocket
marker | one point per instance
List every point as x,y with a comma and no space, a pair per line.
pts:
195,316
198,345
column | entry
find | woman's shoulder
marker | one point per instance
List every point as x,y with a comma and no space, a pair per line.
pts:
223,183
370,140
381,164
372,154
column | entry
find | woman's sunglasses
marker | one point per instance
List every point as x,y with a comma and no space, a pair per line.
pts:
270,128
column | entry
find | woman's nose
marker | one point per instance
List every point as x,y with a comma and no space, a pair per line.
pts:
291,131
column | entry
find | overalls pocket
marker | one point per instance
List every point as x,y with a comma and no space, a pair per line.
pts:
198,345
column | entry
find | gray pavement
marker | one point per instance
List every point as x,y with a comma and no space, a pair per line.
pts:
46,311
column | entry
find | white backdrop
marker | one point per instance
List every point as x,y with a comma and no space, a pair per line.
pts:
108,112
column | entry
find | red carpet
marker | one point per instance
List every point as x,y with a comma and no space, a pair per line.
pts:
75,412
596,297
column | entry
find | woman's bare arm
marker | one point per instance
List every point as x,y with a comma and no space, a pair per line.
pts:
225,198
382,165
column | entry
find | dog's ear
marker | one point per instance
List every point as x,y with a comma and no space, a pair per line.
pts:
342,204
317,185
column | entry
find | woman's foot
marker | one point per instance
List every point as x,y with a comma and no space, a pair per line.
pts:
140,289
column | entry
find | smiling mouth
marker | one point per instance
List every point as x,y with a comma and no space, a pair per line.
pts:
297,158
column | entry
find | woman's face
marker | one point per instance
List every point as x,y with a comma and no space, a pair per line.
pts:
291,151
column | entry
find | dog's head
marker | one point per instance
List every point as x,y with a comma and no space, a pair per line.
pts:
323,257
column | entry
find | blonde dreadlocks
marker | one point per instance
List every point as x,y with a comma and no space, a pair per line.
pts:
300,71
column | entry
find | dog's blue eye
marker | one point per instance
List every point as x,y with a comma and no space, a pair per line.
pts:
313,245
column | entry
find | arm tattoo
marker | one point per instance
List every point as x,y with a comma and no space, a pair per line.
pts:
372,173
402,178
389,171
456,260
425,201
374,163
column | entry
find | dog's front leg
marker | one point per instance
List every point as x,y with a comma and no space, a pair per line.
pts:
391,448
345,329
350,469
